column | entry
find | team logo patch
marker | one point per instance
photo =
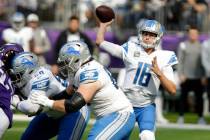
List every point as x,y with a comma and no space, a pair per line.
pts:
27,62
72,50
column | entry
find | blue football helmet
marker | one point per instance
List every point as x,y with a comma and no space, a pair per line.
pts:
151,26
7,53
17,21
23,65
71,56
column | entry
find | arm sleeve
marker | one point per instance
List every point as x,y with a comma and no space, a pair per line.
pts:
113,49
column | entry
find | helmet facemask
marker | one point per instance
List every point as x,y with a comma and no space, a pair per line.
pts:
17,25
17,78
63,68
67,67
18,21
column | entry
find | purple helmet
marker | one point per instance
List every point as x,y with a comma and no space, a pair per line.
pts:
7,52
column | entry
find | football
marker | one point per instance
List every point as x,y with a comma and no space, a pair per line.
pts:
104,13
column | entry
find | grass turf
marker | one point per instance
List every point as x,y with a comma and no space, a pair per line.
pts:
161,134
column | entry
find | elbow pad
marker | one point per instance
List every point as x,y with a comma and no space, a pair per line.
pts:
61,95
75,103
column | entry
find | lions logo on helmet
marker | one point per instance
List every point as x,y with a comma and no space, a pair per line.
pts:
151,26
71,56
22,66
27,62
72,50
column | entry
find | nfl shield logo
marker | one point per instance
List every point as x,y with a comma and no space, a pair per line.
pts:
136,54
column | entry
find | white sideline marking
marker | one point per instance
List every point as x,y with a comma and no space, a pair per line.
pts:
158,125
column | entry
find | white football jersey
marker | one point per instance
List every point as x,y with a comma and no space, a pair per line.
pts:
44,82
109,98
21,37
141,84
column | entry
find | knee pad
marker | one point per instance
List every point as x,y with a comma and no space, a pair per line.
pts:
147,135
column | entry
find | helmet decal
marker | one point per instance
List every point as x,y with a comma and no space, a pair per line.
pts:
73,51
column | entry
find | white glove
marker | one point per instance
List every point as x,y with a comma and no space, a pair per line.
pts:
15,100
41,99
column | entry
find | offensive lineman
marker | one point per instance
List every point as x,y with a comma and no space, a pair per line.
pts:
30,78
146,69
114,114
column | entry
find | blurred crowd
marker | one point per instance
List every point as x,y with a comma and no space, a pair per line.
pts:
25,19
174,14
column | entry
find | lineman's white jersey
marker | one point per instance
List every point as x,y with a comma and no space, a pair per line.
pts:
141,84
109,98
43,82
21,37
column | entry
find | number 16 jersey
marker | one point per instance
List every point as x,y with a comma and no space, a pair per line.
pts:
141,83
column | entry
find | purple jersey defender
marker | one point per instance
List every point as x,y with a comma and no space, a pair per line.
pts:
6,90
7,52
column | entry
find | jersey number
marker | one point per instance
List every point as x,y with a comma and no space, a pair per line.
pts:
143,74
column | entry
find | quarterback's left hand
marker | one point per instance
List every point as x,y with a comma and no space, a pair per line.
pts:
155,67
41,99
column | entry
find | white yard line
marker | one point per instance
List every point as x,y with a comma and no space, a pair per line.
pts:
169,125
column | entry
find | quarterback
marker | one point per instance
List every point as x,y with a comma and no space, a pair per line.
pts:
146,68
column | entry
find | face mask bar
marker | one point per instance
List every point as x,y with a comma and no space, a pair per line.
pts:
63,68
15,77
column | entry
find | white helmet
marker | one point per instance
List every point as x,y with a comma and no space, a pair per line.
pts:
22,67
71,56
151,26
32,17
18,21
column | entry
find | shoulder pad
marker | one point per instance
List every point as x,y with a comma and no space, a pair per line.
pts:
134,39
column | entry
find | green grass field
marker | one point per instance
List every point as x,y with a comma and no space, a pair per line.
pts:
161,133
